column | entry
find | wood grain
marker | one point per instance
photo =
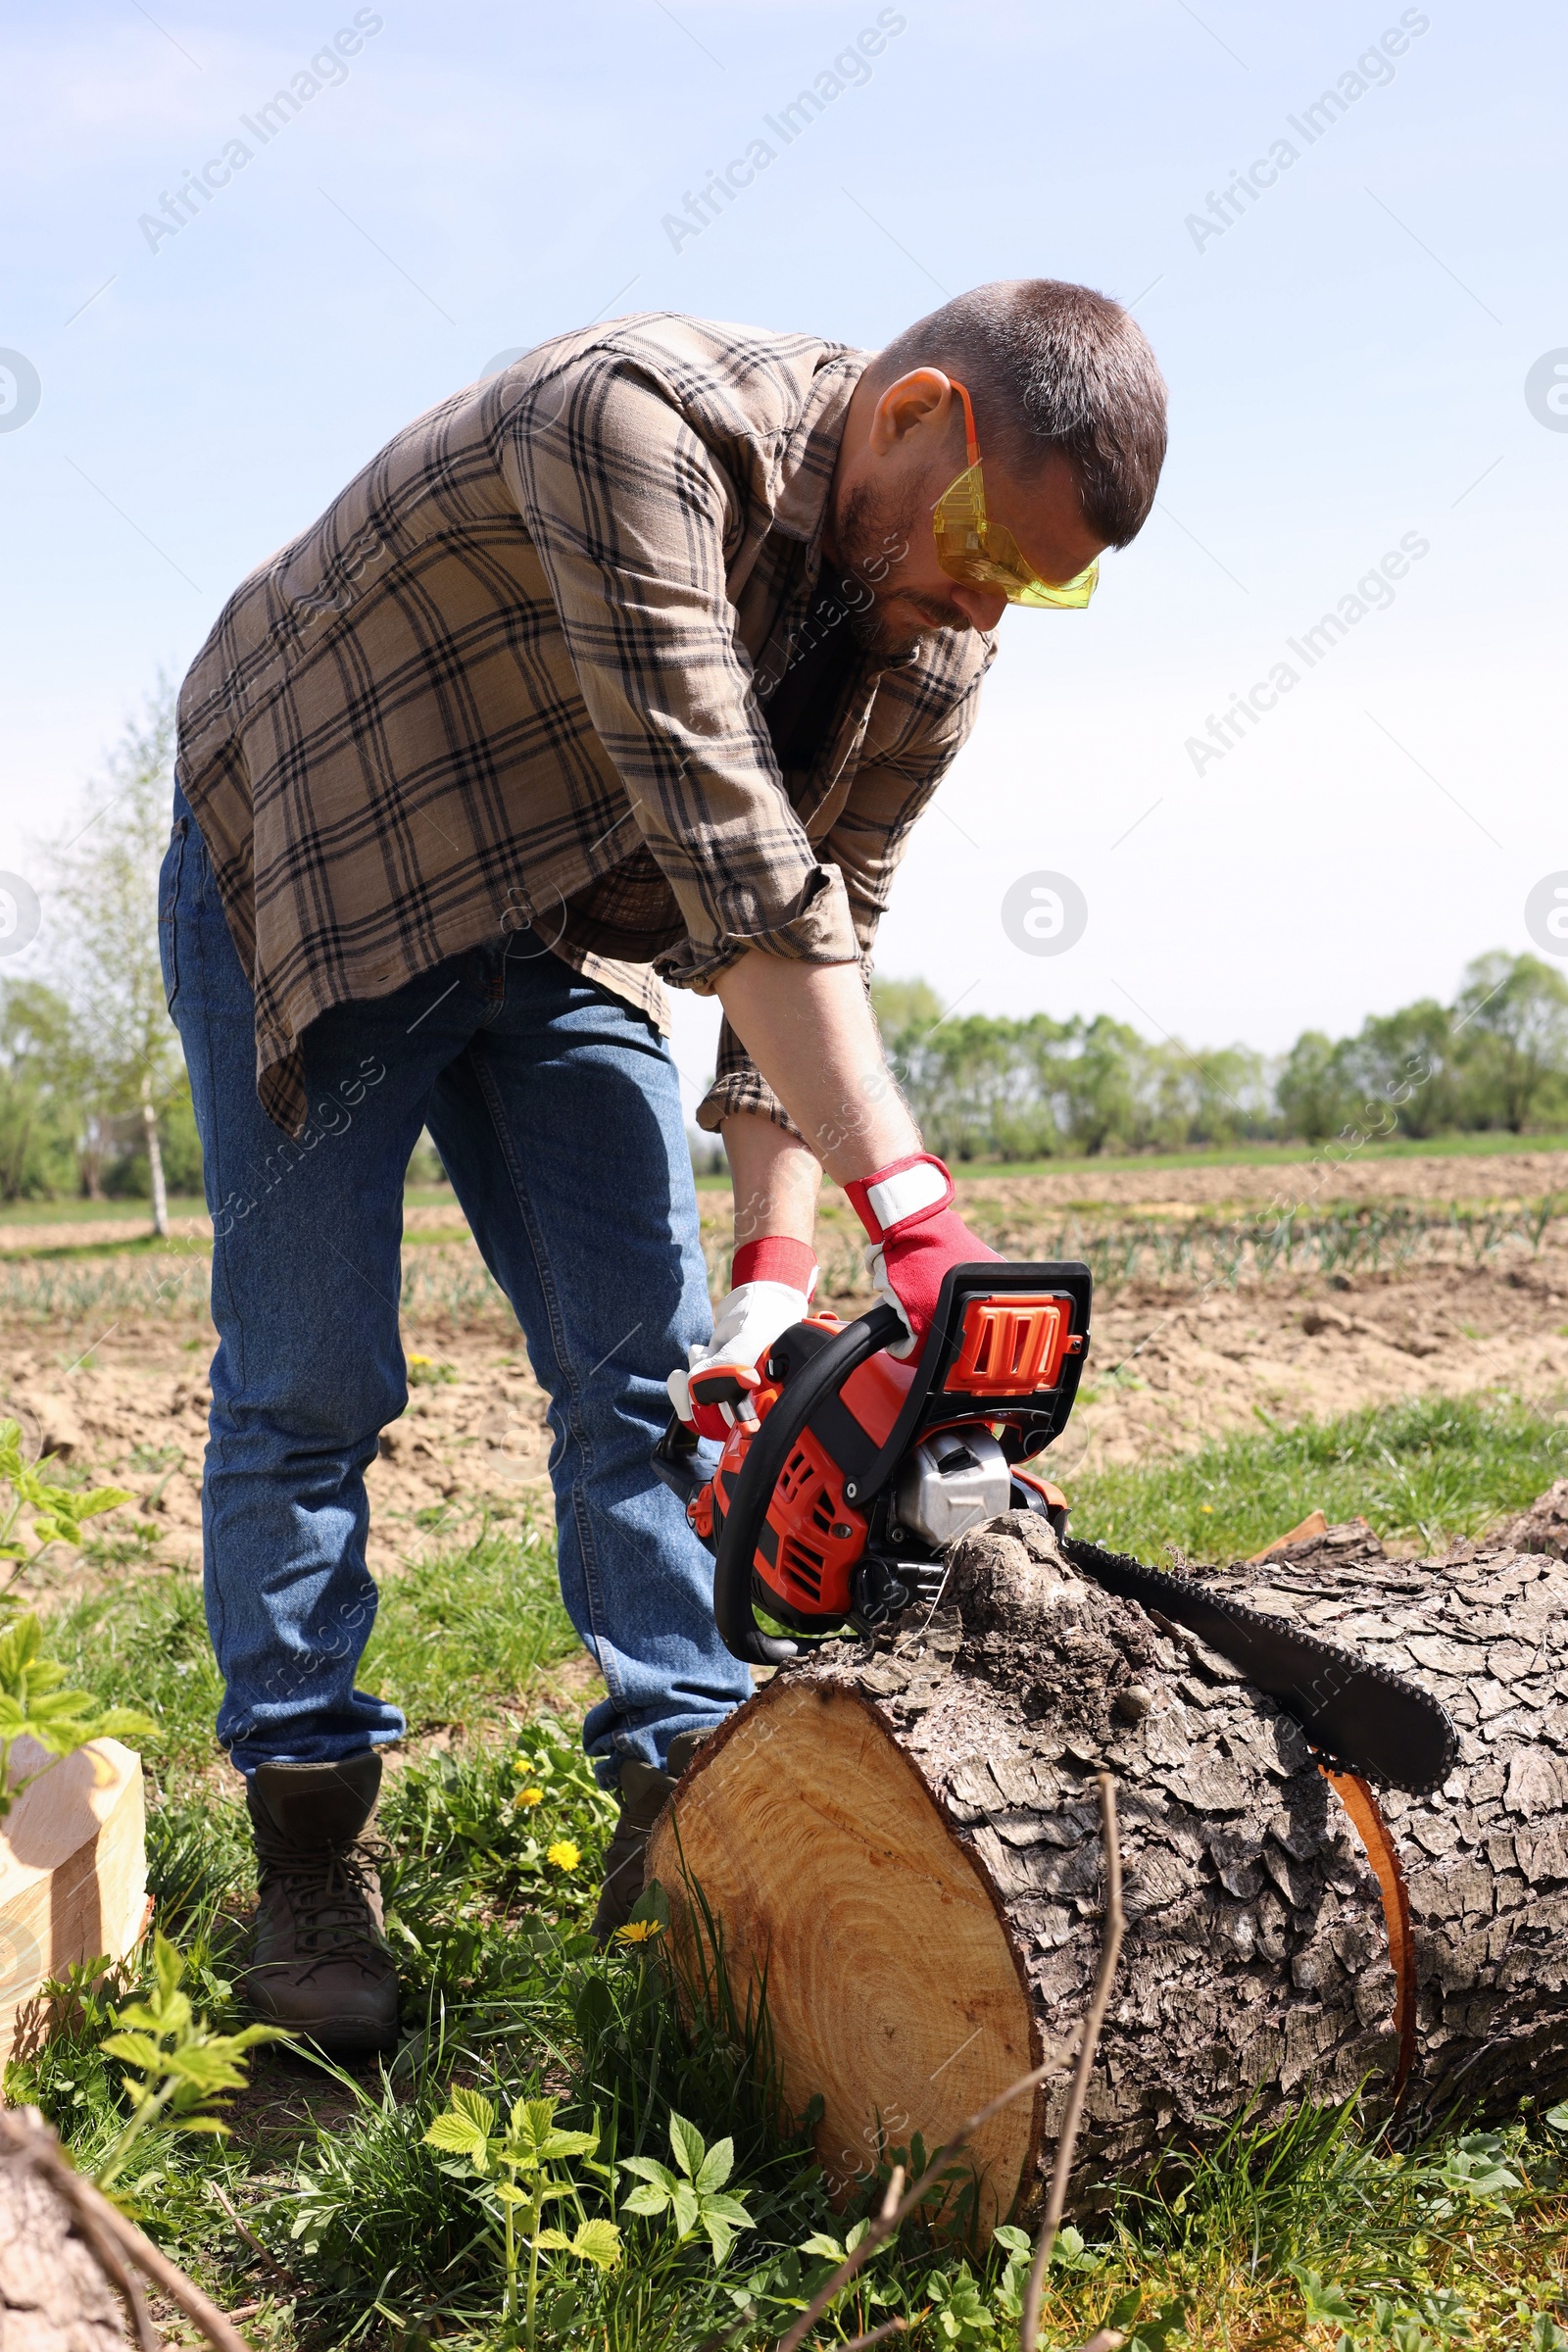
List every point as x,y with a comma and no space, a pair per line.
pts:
894,1988
73,1874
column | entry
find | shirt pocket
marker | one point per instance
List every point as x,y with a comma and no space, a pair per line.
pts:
169,880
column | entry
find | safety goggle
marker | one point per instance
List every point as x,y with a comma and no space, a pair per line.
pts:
985,554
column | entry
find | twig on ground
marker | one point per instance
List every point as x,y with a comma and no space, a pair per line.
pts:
247,2234
107,2256
857,2343
115,2242
896,2210
1094,2019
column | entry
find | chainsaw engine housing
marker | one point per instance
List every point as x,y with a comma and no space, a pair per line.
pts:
837,1501
950,1482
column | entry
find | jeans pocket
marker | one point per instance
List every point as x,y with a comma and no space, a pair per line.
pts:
168,896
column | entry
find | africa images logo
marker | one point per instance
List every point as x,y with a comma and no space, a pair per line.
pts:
1045,913
850,69
1546,391
325,70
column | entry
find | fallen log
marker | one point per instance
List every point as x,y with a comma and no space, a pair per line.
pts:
900,1850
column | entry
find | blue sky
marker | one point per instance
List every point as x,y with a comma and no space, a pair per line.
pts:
1347,356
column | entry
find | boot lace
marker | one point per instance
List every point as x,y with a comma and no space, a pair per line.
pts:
329,1893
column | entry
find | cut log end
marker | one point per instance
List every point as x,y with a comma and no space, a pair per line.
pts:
902,1847
894,1988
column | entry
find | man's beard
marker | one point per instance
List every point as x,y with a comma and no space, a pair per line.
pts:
874,537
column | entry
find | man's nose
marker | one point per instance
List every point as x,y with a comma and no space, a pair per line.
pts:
982,608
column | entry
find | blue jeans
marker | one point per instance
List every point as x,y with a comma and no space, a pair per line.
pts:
556,1110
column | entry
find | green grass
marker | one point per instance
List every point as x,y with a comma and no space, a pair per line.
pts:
1308,2233
1433,1467
1485,1146
180,1204
459,1638
96,1212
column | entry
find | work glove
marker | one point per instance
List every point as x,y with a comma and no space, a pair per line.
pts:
916,1235
773,1278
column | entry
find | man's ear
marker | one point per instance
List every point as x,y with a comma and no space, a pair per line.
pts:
912,403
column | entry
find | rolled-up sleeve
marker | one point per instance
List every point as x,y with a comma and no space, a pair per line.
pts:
929,711
630,515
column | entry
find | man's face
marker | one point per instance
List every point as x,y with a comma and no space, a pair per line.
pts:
900,454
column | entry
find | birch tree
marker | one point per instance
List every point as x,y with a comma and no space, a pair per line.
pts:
104,952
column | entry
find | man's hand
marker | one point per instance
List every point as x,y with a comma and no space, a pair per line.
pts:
916,1235
773,1281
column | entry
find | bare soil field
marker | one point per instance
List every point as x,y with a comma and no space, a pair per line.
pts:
1332,1174
1406,1277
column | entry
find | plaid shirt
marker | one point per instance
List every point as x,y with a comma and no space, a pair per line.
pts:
516,674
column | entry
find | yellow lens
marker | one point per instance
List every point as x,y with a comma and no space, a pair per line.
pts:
1071,596
982,554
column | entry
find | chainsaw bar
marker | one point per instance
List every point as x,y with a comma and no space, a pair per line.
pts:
1357,1716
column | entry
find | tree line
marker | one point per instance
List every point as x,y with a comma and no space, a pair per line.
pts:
985,1087
94,1099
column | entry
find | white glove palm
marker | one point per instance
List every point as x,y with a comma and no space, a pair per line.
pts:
744,1328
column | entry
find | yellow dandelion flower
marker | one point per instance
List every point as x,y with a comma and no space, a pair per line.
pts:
528,1796
421,1359
563,1854
638,1930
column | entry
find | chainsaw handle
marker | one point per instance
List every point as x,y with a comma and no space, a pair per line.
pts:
677,1464
765,1457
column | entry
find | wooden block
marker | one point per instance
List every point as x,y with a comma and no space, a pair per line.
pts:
1314,1524
72,1873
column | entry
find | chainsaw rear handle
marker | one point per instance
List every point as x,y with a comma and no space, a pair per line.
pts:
677,1464
759,1474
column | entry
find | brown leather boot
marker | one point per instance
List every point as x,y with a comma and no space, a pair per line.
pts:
318,1964
645,1792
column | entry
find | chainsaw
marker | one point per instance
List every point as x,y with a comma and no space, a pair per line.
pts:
850,1473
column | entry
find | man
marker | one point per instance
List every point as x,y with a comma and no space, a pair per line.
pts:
641,657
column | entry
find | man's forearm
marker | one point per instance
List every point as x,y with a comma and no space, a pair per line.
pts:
775,1179
809,1030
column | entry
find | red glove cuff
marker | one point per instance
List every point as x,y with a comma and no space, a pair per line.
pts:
902,1195
775,1259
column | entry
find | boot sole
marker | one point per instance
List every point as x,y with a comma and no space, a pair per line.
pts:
342,2041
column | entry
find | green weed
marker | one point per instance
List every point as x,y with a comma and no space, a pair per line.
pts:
1431,1468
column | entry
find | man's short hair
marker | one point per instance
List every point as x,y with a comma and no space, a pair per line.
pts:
1053,367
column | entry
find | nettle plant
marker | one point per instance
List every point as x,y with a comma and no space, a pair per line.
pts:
521,2170
694,2197
34,1705
177,2070
58,1513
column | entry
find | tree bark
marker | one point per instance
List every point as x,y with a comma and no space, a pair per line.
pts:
71,2266
54,2296
902,1847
